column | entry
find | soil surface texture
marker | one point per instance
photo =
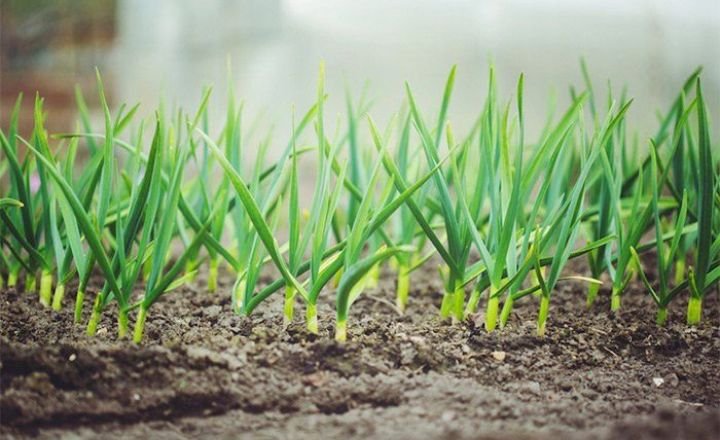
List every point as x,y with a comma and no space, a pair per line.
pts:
204,372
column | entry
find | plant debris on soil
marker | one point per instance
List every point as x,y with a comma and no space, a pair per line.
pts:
203,371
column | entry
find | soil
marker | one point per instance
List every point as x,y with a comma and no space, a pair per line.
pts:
203,372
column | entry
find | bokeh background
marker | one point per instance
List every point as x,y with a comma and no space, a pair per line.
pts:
172,48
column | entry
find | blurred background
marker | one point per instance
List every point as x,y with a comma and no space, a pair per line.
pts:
172,48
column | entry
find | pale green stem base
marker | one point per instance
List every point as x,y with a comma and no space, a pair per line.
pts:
403,288
94,318
661,316
459,303
311,318
394,264
694,310
58,297
79,304
46,280
453,301
12,279
2,281
506,311
139,329
30,283
679,271
615,301
289,307
212,276
446,305
190,270
473,302
543,315
341,330
634,268
592,294
491,312
123,325
239,295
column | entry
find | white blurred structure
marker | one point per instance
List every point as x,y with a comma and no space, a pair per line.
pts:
173,48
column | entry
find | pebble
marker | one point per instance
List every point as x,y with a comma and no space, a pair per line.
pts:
448,416
499,355
658,381
533,386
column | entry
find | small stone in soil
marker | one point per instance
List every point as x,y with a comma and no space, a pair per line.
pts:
448,416
499,355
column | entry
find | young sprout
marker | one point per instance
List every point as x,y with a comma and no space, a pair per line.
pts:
233,140
323,218
66,242
86,225
256,217
509,230
5,204
366,223
706,209
270,199
250,252
662,296
564,228
58,235
406,226
569,224
162,215
317,227
48,219
197,194
628,224
295,254
23,227
679,164
682,158
356,269
458,240
507,194
299,238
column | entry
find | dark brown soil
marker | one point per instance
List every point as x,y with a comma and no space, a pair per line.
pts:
204,372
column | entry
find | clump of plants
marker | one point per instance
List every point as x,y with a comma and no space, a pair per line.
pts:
132,210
